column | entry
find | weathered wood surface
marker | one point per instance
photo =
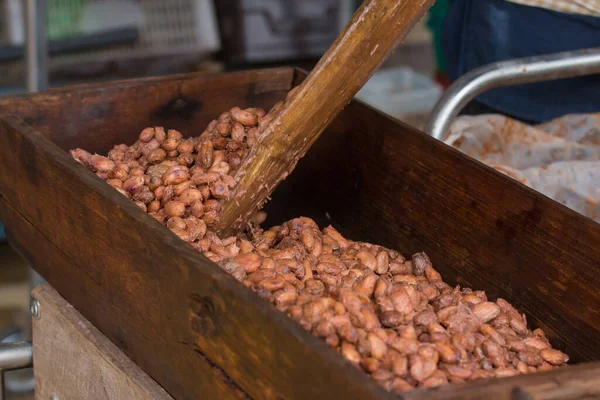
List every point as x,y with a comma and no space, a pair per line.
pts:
183,320
97,116
199,333
73,360
571,383
369,37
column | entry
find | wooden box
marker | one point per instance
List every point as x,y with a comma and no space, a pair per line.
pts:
75,361
199,333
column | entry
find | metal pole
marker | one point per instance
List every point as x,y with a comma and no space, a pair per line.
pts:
19,355
36,48
14,356
508,73
36,60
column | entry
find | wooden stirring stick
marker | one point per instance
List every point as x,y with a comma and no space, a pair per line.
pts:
367,40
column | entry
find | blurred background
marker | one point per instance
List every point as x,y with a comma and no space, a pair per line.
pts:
94,40
101,40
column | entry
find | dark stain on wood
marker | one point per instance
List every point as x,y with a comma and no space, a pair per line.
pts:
101,111
35,120
253,94
204,317
30,159
508,230
533,216
179,108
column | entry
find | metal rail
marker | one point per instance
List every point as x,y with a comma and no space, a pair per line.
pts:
36,61
508,73
14,356
36,46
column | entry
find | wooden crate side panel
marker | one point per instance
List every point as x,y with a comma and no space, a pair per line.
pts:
170,310
95,117
55,266
581,382
73,360
383,182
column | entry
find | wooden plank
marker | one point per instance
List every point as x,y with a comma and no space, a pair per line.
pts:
153,291
211,379
97,116
73,360
568,383
372,34
380,181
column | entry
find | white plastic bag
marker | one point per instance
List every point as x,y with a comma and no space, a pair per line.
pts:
560,159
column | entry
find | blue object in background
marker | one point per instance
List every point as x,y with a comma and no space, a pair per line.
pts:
480,32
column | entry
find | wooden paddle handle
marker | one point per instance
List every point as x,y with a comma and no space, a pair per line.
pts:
373,33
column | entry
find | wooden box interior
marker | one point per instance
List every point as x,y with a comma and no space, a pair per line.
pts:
373,178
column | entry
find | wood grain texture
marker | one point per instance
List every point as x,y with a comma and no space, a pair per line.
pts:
366,41
200,334
183,320
57,267
110,114
571,383
73,360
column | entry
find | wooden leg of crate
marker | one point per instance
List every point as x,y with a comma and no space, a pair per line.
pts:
73,360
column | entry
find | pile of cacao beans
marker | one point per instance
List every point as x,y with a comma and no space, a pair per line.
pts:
180,181
391,316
